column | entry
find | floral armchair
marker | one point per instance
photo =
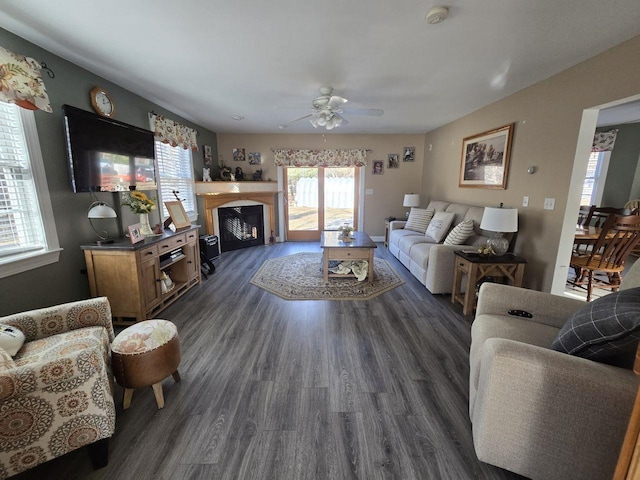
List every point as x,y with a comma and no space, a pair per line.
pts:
56,394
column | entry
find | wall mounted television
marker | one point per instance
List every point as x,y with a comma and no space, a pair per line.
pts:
105,155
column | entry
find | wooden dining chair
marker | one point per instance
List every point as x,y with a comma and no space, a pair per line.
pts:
597,216
583,214
619,235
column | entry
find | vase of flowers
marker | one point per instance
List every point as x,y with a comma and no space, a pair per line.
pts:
345,231
139,203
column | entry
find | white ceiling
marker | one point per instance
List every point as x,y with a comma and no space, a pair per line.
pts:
210,60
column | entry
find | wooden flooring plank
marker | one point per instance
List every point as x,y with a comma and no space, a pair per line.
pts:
321,390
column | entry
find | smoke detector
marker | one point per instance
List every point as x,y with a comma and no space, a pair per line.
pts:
437,15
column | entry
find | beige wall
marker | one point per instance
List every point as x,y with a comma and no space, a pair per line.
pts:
388,188
548,117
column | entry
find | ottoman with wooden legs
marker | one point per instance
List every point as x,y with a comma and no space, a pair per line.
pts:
143,355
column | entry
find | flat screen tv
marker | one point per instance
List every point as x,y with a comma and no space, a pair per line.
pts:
105,155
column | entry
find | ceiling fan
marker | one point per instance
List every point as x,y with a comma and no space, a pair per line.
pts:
327,110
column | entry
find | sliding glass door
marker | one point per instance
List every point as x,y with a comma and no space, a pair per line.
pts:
319,198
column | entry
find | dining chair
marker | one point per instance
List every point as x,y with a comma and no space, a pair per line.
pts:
597,216
619,235
583,214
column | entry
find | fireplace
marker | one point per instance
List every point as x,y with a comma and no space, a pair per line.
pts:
241,227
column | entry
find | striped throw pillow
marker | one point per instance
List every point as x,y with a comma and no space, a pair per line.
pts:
419,219
459,234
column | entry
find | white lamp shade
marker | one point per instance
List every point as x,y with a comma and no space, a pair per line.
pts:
101,210
500,219
411,200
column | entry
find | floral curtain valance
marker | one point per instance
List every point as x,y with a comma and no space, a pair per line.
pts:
173,133
289,157
604,141
21,82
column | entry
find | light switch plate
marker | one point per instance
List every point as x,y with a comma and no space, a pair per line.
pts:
549,203
368,191
525,201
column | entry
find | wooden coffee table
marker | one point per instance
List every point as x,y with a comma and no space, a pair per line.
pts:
359,248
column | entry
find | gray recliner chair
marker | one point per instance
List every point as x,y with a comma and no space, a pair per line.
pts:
535,411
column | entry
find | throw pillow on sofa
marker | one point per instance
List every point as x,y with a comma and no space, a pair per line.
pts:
11,339
459,234
606,328
418,220
439,225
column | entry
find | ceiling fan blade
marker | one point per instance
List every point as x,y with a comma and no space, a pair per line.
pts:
335,101
372,112
284,125
343,121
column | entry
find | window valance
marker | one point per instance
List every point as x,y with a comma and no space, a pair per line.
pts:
173,133
21,82
604,141
290,157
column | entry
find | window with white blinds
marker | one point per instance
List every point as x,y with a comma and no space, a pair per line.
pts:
175,173
28,237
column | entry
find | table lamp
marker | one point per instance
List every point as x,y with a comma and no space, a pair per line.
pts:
98,210
499,220
411,200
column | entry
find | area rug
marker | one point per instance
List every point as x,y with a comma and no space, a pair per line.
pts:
299,277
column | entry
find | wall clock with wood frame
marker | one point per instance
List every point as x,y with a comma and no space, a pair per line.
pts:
102,102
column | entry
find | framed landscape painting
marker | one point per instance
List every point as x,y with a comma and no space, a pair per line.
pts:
485,159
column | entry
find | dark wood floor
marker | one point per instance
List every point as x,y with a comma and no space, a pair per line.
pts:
277,389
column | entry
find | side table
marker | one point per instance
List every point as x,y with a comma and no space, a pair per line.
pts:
477,267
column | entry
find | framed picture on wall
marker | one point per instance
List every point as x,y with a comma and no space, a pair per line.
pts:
393,161
207,155
485,159
238,155
254,158
409,154
378,167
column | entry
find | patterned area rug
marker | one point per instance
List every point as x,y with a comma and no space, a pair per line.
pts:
299,277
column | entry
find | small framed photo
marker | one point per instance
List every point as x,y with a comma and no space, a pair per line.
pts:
409,154
135,233
208,157
178,215
238,155
485,159
393,161
254,158
378,167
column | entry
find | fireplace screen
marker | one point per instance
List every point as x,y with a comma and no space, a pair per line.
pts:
241,227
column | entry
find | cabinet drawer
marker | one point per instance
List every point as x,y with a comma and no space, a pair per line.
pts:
348,253
148,252
192,236
172,243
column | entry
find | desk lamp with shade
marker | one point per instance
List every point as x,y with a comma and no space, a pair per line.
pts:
499,220
101,210
411,200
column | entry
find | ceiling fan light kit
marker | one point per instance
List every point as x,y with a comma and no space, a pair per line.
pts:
327,109
437,15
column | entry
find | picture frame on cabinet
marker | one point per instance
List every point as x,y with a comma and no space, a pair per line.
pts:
135,233
177,214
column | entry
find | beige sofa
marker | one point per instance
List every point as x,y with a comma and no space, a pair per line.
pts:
432,263
536,411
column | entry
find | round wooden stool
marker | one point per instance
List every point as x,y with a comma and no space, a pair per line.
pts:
143,355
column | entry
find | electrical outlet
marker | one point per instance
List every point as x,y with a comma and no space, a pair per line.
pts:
525,201
549,203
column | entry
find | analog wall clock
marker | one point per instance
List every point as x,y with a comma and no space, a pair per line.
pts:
102,102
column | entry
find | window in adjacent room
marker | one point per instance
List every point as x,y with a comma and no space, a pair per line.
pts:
594,180
28,237
175,172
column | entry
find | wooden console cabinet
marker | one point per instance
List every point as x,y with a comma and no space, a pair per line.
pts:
130,275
